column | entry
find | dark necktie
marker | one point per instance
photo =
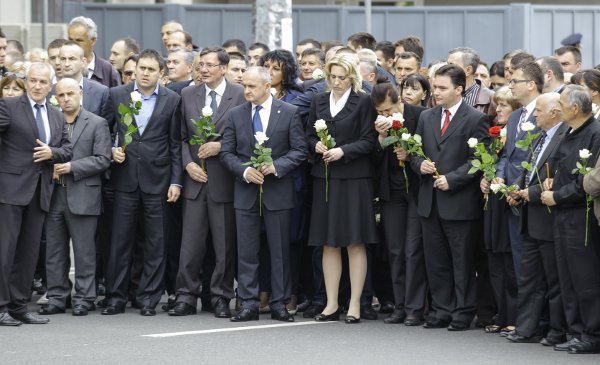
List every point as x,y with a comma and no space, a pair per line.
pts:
534,156
256,122
446,121
213,101
39,121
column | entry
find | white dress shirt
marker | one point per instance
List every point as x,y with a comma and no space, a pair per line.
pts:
220,90
44,117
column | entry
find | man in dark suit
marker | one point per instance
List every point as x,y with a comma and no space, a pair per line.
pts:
147,175
526,85
538,282
207,193
32,136
449,202
75,205
286,139
84,31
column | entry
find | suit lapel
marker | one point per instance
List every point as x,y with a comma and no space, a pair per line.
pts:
552,145
435,125
55,119
224,104
247,121
273,118
455,122
351,104
29,113
323,111
82,122
161,100
200,98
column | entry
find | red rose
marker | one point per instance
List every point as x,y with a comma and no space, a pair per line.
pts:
396,125
495,131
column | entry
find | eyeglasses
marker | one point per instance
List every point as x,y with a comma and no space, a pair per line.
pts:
207,65
513,81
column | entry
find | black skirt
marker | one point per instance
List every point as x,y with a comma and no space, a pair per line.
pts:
348,217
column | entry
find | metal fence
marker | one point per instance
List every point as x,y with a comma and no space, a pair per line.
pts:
492,30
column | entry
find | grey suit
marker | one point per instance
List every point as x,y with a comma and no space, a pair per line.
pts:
207,206
74,211
25,191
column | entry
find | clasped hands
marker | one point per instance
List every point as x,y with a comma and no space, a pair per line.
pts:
428,168
516,197
329,155
257,176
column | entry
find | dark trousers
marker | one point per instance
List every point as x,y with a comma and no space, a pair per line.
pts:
449,256
516,241
104,232
20,234
277,225
578,271
539,285
202,216
173,238
504,286
127,207
61,226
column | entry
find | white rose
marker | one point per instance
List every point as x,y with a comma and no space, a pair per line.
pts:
398,116
273,91
320,125
405,136
53,101
472,142
584,154
503,132
261,137
318,74
381,118
496,187
417,138
207,111
527,127
595,108
135,96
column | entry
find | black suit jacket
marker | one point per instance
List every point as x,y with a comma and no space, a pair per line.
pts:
286,139
386,160
105,74
353,131
18,173
535,219
452,157
220,179
179,86
153,159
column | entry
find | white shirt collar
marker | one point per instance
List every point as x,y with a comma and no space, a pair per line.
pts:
266,105
33,102
530,107
336,107
220,90
92,65
453,109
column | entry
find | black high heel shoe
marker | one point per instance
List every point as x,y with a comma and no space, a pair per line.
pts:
335,316
352,320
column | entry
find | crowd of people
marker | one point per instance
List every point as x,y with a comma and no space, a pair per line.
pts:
347,178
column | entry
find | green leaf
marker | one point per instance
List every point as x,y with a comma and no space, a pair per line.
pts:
473,170
476,163
127,140
526,165
390,140
486,159
127,119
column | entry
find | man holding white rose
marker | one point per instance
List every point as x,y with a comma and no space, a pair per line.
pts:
265,190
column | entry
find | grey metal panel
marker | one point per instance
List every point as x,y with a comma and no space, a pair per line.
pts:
488,45
317,24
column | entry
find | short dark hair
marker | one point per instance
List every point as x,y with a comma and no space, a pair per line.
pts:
316,52
497,69
412,80
566,49
131,45
590,78
57,43
532,71
408,55
455,73
363,39
289,67
511,54
327,45
257,45
387,49
222,55
237,43
236,56
552,64
153,54
312,41
521,58
412,44
18,45
133,57
382,90
2,35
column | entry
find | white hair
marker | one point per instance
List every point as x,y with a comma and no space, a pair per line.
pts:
90,26
261,71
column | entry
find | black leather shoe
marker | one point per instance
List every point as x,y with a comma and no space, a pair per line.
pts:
206,305
302,306
566,345
147,312
80,310
313,310
281,315
367,312
102,303
352,320
436,323
458,326
171,300
335,316
111,310
222,308
397,316
245,315
50,309
182,309
517,338
387,307
551,341
7,320
30,318
585,347
412,320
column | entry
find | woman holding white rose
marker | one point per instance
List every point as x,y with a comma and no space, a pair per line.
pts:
342,208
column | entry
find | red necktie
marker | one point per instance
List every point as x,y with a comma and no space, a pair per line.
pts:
446,121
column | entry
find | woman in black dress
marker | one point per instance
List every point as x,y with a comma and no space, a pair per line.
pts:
342,208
